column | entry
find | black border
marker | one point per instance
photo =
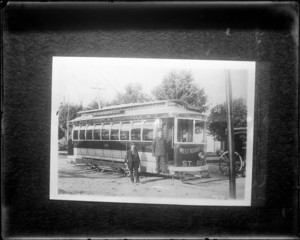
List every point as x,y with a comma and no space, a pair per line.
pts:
33,33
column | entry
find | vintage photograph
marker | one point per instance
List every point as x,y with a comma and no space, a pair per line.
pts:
157,131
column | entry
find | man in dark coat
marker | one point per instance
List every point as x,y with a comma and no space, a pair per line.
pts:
159,150
133,161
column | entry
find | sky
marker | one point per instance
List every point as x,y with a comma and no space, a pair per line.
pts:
75,78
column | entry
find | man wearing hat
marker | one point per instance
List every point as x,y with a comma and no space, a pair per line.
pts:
159,150
133,160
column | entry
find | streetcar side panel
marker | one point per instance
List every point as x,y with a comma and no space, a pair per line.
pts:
115,152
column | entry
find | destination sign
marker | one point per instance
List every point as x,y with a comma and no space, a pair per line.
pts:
189,150
123,118
110,112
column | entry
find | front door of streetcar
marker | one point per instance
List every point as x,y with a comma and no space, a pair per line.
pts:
168,129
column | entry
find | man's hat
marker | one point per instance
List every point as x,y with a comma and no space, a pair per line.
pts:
132,144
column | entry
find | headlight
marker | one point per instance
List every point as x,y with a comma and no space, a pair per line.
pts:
201,155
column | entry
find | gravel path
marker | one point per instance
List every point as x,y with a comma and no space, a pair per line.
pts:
74,179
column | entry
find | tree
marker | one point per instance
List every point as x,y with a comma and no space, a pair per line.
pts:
94,104
218,122
180,85
63,117
133,94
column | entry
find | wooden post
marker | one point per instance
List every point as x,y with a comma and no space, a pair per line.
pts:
230,135
68,121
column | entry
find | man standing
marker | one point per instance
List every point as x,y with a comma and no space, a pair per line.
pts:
133,160
159,150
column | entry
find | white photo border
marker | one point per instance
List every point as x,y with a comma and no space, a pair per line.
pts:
213,64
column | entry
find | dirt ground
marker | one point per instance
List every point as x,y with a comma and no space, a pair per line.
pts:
80,179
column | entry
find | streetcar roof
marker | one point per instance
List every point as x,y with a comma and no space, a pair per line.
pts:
133,109
134,105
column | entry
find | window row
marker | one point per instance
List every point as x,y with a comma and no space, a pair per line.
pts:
136,130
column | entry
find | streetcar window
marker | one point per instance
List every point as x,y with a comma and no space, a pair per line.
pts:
148,130
105,131
199,132
75,133
89,132
82,133
114,134
185,130
136,130
97,132
125,128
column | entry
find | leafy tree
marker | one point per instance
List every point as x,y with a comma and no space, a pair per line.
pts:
218,122
94,104
61,133
133,94
180,85
63,117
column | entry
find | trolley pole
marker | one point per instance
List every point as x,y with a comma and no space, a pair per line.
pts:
98,95
230,134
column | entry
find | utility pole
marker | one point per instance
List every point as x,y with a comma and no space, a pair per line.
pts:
230,135
98,94
68,120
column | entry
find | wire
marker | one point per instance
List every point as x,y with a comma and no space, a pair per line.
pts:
108,83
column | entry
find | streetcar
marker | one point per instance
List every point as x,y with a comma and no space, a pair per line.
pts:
102,137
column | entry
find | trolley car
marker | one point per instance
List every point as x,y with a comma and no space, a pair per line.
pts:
102,137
